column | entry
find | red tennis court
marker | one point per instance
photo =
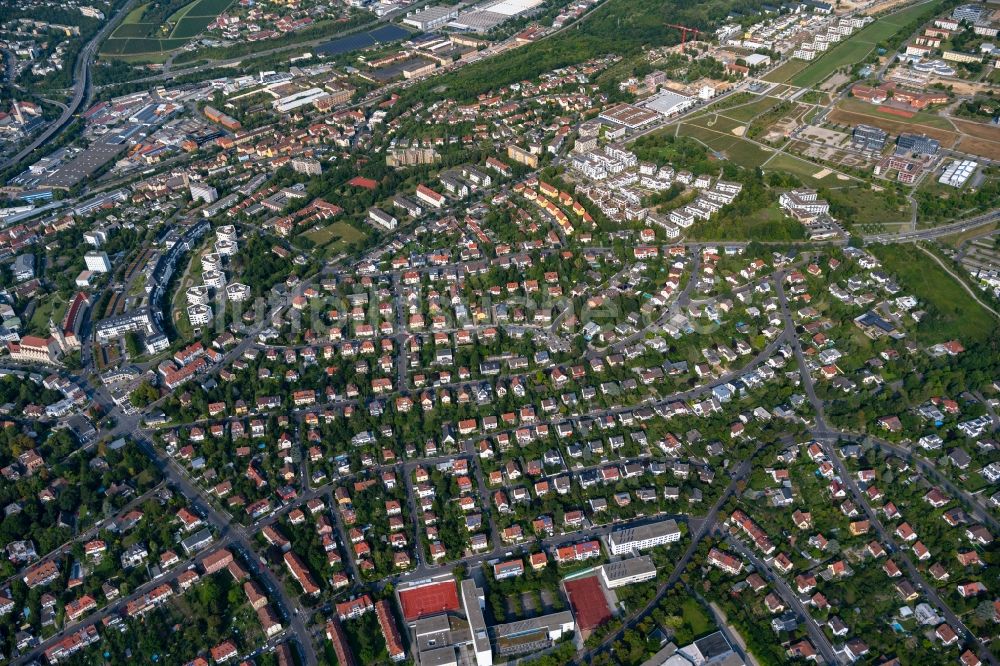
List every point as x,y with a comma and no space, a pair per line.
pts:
428,599
589,604
902,113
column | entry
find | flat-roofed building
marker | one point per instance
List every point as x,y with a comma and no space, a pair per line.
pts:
431,18
629,115
633,539
444,656
473,601
533,634
627,572
920,144
669,103
870,138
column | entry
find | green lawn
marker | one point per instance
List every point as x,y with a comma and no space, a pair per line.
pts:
748,112
734,148
845,53
339,234
50,306
718,123
857,46
951,312
696,618
804,169
901,18
746,154
871,207
135,16
785,72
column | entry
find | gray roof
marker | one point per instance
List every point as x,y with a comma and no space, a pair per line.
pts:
438,657
542,622
643,532
633,566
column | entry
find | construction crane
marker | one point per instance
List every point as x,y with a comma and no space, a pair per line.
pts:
684,31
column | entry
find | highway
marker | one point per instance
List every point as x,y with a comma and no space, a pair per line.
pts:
936,232
81,86
234,62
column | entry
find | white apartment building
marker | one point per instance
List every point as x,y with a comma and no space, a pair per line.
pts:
237,292
97,262
215,279
199,315
203,192
632,539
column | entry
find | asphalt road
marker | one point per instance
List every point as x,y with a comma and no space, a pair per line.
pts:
81,86
828,437
791,599
707,525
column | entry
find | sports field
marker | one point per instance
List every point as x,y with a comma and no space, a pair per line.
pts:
590,607
430,599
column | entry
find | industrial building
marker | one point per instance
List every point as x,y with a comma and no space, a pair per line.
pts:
294,101
958,172
431,18
669,103
629,115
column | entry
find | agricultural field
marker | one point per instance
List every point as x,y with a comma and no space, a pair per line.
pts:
921,120
970,137
892,124
144,31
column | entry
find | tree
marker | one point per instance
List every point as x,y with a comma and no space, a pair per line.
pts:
144,394
985,611
133,345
